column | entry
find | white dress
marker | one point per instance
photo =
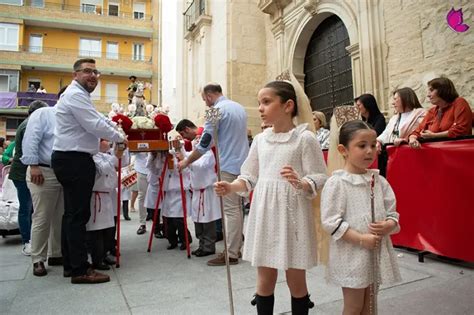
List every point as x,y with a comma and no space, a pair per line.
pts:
345,203
280,231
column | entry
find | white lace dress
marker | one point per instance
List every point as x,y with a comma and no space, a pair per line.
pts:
345,203
280,231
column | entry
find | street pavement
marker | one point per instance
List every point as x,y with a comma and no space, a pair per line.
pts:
167,282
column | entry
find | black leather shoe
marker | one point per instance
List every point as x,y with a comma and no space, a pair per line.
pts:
110,260
172,246
158,234
55,261
194,252
67,273
39,270
101,266
141,230
204,254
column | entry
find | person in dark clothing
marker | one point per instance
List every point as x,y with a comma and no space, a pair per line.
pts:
370,112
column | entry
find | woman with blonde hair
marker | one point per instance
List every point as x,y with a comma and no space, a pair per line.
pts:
408,115
322,134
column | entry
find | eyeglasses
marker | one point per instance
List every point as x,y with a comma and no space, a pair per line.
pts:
89,71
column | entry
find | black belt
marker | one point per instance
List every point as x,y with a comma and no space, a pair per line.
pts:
44,165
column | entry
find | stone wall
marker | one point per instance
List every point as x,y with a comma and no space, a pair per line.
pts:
421,46
247,62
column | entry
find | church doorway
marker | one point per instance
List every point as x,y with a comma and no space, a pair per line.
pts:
327,67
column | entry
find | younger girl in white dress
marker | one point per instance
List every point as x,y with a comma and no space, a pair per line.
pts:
284,168
346,215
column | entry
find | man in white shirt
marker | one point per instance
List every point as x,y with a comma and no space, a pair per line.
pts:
79,128
46,191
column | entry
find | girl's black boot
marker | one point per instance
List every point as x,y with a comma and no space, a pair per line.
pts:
301,306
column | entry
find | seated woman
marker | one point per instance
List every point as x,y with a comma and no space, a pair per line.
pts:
370,112
322,134
409,115
450,117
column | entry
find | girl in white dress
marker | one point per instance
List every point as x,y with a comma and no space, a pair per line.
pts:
285,168
346,215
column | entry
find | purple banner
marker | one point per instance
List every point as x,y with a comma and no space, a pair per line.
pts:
25,98
7,99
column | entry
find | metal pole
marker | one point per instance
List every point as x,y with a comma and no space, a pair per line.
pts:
374,286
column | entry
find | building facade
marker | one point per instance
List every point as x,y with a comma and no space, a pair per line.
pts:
336,49
41,40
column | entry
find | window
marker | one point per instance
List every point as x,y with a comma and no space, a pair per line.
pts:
139,11
36,43
9,80
12,2
35,82
112,50
88,8
13,123
90,47
4,86
111,93
95,95
138,52
113,9
37,3
9,36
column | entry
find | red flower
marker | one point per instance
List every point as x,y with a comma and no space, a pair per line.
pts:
163,123
124,121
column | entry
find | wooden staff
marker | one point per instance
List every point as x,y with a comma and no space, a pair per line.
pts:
119,204
375,264
185,216
120,148
213,116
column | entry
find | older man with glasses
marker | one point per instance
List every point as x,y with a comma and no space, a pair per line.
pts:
79,128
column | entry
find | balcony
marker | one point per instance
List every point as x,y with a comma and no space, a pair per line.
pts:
195,16
92,18
58,59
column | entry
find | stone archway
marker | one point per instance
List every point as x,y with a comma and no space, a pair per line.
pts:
308,21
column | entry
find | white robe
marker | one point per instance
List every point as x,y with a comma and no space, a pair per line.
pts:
205,203
154,166
104,198
172,202
125,195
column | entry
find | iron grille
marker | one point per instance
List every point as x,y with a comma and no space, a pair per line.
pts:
327,67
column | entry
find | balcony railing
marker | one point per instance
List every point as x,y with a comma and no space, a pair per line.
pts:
85,8
38,50
193,12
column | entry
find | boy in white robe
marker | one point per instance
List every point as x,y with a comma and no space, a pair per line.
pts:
205,203
173,206
101,225
155,162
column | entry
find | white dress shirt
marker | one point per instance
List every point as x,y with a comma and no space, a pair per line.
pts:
78,124
39,137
